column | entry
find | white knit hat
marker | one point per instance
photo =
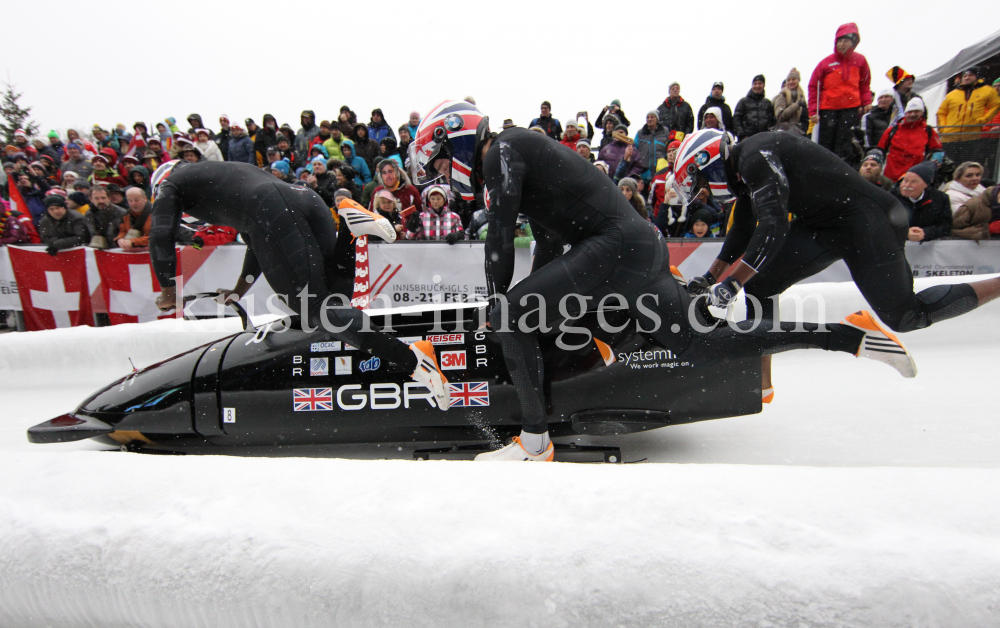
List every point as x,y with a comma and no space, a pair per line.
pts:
915,104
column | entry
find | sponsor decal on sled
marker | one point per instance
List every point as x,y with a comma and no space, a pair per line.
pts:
325,347
447,339
371,364
342,365
319,367
453,360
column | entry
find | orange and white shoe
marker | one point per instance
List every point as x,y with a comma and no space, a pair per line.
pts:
429,373
515,452
881,345
363,222
767,395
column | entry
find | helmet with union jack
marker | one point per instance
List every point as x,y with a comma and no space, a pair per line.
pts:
454,130
702,155
160,175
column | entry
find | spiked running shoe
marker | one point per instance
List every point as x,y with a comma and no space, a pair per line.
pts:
515,452
363,222
429,374
767,395
881,345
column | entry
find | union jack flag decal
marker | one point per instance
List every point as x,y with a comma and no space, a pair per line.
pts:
469,394
312,399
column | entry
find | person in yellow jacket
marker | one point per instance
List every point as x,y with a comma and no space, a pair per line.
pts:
970,104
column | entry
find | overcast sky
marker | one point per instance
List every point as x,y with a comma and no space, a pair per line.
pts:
127,61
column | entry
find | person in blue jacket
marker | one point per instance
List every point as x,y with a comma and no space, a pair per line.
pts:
351,159
378,128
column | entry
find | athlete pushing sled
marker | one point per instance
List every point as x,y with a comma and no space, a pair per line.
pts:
291,239
614,251
837,215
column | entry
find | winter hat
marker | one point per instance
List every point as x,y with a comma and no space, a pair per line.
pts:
81,184
37,163
570,123
79,198
885,92
973,70
281,166
996,82
298,172
653,112
617,102
53,134
603,166
793,74
339,194
386,194
584,141
57,192
622,128
702,215
54,200
249,121
915,104
715,111
629,182
507,123
20,133
759,77
75,145
139,124
674,144
273,149
99,157
926,170
223,116
325,124
897,75
719,85
672,84
283,138
876,156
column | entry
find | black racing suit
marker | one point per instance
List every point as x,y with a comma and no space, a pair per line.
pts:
614,250
837,215
290,237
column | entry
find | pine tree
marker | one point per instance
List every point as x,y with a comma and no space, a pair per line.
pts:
14,117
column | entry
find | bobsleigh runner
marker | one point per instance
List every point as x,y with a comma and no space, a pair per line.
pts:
279,386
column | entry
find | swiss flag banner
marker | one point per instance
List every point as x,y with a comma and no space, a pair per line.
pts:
129,287
53,289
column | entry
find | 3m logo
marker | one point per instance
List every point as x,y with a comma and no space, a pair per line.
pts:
447,339
453,360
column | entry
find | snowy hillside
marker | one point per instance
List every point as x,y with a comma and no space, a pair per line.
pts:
859,498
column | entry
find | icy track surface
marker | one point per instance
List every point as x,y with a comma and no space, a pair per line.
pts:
859,498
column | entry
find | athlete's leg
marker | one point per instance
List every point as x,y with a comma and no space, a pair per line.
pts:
877,261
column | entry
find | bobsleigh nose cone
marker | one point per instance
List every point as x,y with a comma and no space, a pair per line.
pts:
68,428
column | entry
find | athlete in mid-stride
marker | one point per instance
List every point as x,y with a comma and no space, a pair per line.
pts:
613,250
836,215
292,239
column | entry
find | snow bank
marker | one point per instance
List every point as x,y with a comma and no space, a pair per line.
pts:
857,499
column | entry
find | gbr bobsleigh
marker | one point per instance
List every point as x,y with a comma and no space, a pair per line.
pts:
278,385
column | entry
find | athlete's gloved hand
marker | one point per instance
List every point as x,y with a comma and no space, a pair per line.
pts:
51,250
723,293
197,242
226,296
452,238
700,284
413,222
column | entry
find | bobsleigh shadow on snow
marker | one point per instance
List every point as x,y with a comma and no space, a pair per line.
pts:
278,386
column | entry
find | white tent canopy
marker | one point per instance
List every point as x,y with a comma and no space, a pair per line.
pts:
934,86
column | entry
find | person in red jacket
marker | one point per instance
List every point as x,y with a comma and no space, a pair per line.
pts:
839,92
907,141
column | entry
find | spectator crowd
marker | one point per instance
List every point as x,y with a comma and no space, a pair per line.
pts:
94,188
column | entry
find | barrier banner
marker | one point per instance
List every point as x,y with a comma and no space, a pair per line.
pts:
53,288
9,300
129,287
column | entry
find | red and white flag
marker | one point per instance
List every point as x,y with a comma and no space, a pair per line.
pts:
53,289
16,200
129,287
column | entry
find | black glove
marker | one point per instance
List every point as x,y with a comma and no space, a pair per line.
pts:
722,294
700,284
413,222
197,242
454,237
52,250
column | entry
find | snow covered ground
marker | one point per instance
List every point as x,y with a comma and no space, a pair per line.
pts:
858,498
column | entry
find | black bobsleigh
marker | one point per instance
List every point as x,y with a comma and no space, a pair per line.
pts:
277,385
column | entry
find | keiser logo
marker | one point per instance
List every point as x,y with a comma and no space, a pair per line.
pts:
447,339
453,360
